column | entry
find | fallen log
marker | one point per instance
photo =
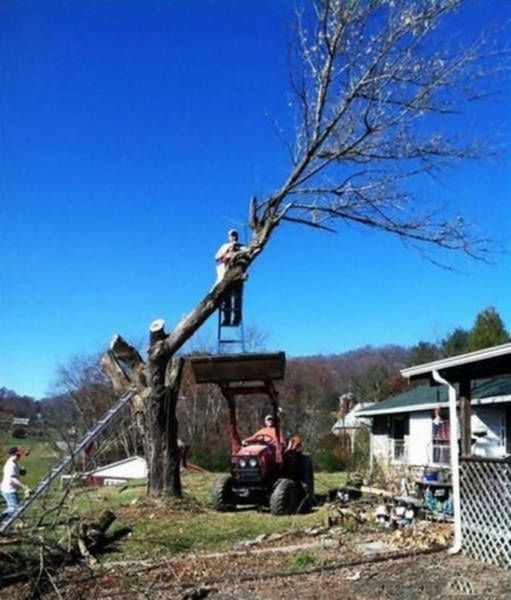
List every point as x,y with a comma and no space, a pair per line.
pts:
86,539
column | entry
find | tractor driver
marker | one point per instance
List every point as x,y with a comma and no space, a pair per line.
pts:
268,433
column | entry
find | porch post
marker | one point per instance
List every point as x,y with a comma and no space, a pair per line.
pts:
455,465
465,412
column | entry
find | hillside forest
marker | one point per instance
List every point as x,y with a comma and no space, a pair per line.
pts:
309,396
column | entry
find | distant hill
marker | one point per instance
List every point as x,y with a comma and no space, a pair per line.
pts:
17,406
56,409
355,363
362,370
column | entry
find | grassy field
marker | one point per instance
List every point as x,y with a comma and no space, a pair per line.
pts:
191,525
165,528
42,456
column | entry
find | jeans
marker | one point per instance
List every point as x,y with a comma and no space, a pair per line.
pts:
13,500
231,304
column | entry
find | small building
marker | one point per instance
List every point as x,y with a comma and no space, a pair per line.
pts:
20,427
118,473
412,429
349,424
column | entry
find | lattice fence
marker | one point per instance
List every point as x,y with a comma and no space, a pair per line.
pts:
486,509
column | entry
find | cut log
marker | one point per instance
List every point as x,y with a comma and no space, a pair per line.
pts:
157,331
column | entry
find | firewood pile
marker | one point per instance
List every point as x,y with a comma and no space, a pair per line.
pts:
408,531
423,535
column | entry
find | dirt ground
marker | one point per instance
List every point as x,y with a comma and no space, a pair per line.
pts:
307,566
426,576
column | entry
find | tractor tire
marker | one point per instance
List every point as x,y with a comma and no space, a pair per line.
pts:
306,481
284,498
222,497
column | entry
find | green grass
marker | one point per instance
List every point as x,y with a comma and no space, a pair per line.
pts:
301,561
325,481
191,525
167,528
42,456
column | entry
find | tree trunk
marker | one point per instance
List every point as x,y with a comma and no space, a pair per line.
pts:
161,422
158,381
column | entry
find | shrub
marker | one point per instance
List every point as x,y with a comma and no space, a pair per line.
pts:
361,450
217,461
328,456
19,432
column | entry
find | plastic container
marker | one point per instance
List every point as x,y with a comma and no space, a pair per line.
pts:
431,476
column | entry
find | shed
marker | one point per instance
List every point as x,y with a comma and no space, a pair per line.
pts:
118,473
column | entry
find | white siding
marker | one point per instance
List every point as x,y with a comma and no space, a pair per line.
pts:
381,447
419,441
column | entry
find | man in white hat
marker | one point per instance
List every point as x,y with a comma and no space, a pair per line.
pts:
11,483
231,303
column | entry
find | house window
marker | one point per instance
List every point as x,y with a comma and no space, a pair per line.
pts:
441,448
399,430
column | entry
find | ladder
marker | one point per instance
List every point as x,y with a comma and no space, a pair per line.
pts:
230,331
60,466
235,337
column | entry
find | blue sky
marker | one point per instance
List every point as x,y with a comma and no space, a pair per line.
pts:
132,135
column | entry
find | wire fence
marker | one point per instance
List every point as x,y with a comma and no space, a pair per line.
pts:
486,509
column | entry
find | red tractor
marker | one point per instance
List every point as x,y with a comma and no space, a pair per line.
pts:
265,470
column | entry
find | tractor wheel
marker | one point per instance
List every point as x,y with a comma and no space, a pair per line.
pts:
284,498
221,495
306,479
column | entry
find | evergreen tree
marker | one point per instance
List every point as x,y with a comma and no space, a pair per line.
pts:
457,342
488,330
423,352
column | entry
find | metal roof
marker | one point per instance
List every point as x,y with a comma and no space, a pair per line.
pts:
425,397
351,420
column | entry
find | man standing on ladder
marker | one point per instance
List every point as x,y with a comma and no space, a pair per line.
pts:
231,304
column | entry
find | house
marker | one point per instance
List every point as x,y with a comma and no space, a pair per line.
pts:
412,429
349,424
480,483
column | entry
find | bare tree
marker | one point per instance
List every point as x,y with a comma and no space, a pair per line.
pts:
371,90
82,382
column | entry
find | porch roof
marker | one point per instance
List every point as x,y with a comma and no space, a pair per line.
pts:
425,397
490,362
